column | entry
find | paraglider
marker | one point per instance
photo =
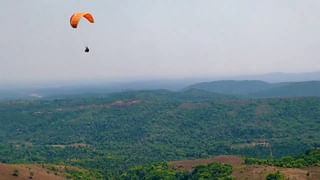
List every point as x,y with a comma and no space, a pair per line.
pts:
75,20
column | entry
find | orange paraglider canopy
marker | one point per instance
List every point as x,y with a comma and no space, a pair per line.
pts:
76,18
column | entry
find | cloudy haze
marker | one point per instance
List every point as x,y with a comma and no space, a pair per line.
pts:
145,39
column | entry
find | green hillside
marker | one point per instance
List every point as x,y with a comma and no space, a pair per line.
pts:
234,87
117,131
309,88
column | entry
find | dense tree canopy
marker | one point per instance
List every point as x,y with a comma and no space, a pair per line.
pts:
114,132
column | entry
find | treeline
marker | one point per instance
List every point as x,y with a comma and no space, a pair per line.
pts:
214,171
310,158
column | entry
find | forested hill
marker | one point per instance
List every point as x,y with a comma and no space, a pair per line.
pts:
296,89
260,88
117,131
232,87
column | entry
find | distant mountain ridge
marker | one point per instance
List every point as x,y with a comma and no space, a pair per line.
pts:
260,85
277,77
255,88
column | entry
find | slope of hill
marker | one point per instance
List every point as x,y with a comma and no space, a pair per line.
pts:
232,167
294,89
261,89
242,171
44,171
22,172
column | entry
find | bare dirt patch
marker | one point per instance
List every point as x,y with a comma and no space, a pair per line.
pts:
188,165
250,172
23,172
313,173
78,145
253,172
124,104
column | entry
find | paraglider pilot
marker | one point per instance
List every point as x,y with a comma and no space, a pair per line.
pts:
87,49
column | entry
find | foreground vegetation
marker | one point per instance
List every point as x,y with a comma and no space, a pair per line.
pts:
310,158
212,171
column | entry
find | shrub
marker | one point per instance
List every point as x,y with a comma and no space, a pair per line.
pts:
275,176
15,173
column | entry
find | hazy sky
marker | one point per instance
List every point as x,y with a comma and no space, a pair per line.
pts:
145,39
